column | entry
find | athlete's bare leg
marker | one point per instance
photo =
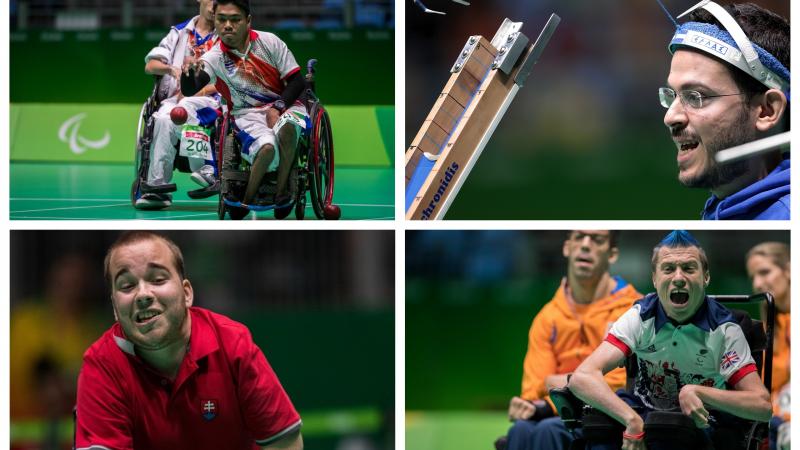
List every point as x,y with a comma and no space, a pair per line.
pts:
257,171
287,145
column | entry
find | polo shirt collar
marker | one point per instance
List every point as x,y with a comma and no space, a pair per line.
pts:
700,318
252,37
202,341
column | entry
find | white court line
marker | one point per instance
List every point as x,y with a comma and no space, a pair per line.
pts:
58,218
101,200
356,205
179,217
70,207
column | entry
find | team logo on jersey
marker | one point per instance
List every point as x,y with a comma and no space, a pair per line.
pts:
209,409
729,359
651,349
68,133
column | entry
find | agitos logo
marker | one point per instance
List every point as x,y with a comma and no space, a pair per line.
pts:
78,144
444,183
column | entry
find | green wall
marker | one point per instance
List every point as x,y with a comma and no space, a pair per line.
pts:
106,133
465,341
355,66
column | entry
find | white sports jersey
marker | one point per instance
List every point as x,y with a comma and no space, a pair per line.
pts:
254,78
181,41
710,350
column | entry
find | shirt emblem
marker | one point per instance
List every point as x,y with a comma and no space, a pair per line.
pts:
209,409
729,359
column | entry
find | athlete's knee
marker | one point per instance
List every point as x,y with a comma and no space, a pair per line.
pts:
522,429
287,133
551,429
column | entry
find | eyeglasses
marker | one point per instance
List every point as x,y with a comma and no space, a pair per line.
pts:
692,99
597,239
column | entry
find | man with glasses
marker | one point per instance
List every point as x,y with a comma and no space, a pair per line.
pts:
730,77
566,330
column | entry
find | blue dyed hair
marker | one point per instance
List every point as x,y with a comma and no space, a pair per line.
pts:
679,239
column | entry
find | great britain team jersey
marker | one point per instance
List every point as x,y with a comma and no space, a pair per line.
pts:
252,79
710,350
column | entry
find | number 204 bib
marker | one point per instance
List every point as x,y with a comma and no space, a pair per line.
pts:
196,142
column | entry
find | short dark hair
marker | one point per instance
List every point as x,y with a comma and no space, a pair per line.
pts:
132,237
768,30
244,5
679,239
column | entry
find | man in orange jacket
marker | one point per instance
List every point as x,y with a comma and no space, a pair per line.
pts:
566,330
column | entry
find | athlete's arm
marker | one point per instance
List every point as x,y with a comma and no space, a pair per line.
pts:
293,441
209,89
294,87
588,384
158,67
748,400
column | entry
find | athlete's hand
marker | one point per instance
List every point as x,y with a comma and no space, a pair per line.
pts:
692,406
272,116
175,72
520,409
634,428
191,63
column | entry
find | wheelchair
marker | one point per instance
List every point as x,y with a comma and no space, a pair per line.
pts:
144,138
670,428
312,171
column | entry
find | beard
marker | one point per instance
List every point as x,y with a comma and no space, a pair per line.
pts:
717,174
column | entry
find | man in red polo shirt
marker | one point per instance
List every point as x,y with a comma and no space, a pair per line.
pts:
171,376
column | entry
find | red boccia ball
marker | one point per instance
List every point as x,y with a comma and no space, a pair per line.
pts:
178,115
331,212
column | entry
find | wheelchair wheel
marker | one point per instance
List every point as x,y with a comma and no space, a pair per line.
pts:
139,161
321,161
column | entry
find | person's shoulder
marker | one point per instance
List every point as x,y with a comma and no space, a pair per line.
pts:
623,295
184,25
224,326
554,307
105,349
778,210
268,37
647,306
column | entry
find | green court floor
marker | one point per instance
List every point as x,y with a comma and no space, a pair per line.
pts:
48,191
454,430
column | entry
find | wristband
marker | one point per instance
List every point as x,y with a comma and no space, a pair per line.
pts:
633,437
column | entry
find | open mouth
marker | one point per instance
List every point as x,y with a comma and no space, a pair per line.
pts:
679,298
145,317
687,146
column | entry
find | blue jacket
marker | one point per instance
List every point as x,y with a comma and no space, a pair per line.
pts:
766,199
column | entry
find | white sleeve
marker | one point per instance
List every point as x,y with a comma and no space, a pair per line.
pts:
283,57
163,52
736,360
627,330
